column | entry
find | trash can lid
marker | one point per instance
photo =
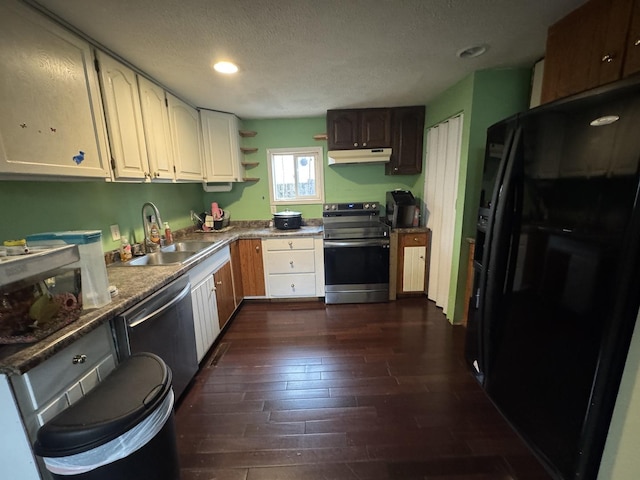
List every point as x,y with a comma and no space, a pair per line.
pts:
125,398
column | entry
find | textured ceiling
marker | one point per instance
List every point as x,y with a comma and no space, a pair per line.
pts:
300,57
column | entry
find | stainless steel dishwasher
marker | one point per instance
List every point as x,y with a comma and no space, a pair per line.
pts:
162,324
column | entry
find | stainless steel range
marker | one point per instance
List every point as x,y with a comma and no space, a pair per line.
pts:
356,253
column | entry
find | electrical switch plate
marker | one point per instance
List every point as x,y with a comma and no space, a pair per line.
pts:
115,232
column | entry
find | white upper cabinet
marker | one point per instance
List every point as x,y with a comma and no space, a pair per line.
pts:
185,128
51,120
124,119
155,118
221,147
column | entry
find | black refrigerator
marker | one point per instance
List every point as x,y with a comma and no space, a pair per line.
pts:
556,271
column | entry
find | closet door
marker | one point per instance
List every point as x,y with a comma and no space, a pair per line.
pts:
441,188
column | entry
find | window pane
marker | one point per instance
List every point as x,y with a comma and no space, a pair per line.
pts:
284,177
306,176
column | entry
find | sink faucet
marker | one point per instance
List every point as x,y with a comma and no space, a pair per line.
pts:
146,226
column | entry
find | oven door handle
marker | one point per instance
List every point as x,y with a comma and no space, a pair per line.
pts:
376,242
185,291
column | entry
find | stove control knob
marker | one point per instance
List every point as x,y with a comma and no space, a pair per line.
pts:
366,206
326,206
374,206
334,207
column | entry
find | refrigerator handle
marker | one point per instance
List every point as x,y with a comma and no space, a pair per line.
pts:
503,246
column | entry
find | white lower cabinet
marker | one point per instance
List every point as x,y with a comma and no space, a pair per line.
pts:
205,316
294,267
62,380
413,272
204,302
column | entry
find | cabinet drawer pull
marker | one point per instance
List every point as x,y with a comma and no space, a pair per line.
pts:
79,359
291,263
219,282
290,244
293,285
608,58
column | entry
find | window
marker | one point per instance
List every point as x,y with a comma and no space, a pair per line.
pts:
295,175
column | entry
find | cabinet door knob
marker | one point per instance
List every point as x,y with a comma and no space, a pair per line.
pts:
415,239
79,359
364,144
291,263
395,169
607,58
293,285
257,249
636,43
355,144
290,244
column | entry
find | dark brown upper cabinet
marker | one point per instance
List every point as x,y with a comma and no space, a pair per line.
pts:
407,131
595,44
359,128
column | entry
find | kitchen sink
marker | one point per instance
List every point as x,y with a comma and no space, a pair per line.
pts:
160,258
183,252
187,246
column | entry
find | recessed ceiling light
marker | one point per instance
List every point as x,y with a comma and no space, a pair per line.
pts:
471,52
606,120
225,67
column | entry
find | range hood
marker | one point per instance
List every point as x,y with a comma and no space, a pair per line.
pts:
373,155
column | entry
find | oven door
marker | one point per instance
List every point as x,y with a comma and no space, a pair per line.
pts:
356,271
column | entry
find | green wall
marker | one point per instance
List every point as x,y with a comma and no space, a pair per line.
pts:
250,200
41,206
32,207
484,98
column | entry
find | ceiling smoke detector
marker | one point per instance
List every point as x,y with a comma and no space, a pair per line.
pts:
471,52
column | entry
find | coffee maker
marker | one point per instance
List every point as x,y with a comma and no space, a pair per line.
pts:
401,208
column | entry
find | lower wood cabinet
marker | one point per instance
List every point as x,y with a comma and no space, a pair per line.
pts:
223,282
251,267
413,256
236,270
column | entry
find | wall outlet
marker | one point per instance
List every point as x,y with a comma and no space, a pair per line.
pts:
115,233
273,209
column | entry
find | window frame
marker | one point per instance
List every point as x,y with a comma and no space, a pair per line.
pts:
318,153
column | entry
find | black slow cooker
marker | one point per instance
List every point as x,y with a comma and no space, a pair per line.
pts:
287,220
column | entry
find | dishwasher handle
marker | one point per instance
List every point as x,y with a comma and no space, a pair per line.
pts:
185,291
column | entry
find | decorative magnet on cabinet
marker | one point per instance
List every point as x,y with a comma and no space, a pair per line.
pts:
79,158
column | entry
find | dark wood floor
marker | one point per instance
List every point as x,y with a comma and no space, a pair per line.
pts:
304,391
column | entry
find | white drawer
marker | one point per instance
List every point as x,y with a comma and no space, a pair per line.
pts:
291,243
296,285
76,391
48,379
295,261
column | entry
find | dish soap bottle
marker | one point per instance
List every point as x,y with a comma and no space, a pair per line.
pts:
154,233
168,236
125,250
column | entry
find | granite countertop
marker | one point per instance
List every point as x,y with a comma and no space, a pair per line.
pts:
133,284
411,230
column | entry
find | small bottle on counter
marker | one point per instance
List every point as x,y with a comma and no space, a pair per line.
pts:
125,250
154,233
168,235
